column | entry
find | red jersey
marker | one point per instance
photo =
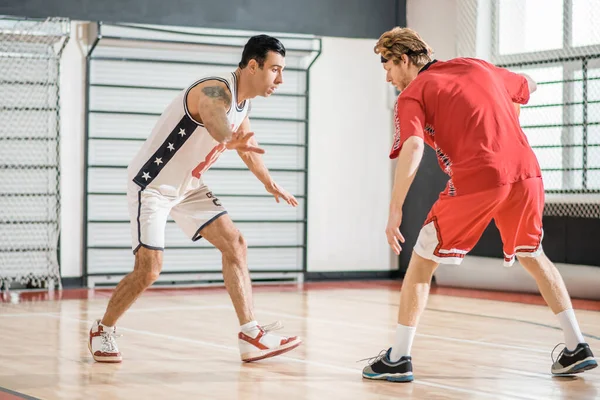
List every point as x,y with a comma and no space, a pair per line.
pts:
463,109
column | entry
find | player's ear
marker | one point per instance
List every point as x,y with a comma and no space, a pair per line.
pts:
252,66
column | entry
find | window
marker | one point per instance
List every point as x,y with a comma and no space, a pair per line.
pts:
529,25
562,120
585,16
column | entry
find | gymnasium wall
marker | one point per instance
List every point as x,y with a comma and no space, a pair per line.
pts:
349,174
340,18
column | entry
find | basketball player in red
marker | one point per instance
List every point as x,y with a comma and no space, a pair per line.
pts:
165,179
463,109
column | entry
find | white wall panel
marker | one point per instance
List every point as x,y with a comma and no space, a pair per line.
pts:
114,207
264,234
132,76
190,260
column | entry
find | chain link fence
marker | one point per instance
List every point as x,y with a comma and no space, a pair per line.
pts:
557,43
30,53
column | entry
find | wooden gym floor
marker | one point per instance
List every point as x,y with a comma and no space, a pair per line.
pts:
182,344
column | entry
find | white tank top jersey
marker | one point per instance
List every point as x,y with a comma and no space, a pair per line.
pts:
180,149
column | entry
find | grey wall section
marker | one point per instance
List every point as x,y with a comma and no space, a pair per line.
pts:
566,240
341,18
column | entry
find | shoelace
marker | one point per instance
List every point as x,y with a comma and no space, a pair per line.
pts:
373,360
559,354
109,344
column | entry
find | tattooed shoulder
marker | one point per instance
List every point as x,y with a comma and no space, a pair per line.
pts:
218,92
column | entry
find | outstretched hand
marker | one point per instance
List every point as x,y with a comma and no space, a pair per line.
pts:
279,192
240,141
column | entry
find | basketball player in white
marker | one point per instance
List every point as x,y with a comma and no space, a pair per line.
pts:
165,178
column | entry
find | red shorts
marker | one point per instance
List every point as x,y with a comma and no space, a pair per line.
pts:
455,224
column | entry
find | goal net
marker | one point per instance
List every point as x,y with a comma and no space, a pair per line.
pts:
30,53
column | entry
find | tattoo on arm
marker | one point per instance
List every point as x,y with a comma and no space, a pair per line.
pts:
213,114
218,93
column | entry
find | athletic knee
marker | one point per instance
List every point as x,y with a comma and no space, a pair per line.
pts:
148,266
423,265
535,265
236,248
528,261
150,276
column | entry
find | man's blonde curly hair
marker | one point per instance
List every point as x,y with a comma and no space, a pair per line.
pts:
393,43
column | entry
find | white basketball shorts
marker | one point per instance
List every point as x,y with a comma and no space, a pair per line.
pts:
149,211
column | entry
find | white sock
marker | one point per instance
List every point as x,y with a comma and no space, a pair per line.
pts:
270,340
250,329
106,328
570,328
403,344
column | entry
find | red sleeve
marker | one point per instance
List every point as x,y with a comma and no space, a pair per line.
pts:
409,120
515,84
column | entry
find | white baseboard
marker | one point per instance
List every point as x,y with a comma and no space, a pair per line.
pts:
582,281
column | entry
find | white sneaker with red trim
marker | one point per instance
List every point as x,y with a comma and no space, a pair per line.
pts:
103,345
261,343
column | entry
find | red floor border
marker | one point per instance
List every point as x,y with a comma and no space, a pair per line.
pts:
513,297
7,394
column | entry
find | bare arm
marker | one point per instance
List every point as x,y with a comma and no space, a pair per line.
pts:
214,100
255,164
406,169
254,161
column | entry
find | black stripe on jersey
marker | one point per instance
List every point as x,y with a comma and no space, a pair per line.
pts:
176,139
210,78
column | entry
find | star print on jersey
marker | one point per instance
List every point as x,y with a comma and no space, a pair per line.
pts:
160,159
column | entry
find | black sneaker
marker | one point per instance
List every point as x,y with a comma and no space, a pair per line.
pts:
380,367
573,362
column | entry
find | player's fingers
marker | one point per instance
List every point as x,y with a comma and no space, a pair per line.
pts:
398,235
246,136
255,149
395,247
393,242
285,196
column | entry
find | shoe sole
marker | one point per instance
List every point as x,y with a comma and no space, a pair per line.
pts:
103,359
584,366
261,355
390,378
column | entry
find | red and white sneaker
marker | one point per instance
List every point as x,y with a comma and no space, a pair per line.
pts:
103,344
261,343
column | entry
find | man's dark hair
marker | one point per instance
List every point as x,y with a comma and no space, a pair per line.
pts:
258,47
